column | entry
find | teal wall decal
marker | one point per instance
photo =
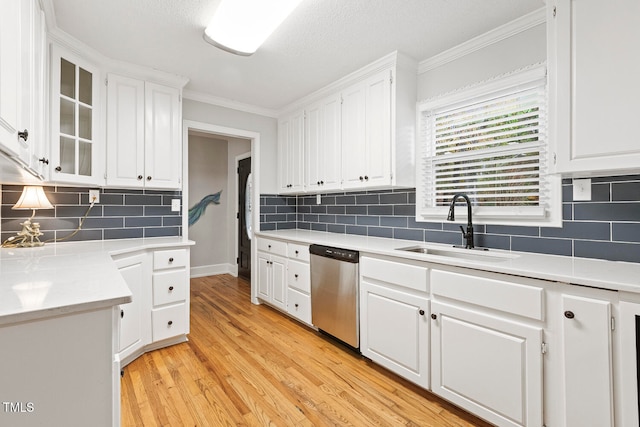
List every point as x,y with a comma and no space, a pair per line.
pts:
196,211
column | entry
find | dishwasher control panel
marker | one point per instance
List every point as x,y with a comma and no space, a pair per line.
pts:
335,253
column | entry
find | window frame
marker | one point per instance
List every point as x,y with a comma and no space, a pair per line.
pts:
548,215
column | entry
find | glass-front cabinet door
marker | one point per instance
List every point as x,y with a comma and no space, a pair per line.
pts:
76,138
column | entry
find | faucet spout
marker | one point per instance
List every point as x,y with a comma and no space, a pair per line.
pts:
451,216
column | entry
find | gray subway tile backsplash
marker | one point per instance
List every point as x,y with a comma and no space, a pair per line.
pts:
121,214
606,227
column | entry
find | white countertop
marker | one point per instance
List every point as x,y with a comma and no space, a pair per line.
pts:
61,278
613,275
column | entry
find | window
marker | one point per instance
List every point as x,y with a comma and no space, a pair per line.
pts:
490,142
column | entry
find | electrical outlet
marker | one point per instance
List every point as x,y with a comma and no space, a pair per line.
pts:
94,196
318,199
175,205
582,189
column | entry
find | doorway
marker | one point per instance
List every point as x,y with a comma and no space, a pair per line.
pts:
245,212
250,147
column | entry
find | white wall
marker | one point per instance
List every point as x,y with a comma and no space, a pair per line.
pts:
266,126
208,174
517,51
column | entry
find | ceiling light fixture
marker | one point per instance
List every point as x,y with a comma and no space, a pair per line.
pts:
241,26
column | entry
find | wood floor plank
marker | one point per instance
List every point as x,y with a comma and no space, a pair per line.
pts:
248,365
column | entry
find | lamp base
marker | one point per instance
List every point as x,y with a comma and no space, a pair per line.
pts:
28,237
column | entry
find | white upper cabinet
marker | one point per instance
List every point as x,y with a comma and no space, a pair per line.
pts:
291,153
39,144
143,134
125,131
22,84
366,133
378,126
77,154
10,70
357,133
594,64
322,145
163,147
353,131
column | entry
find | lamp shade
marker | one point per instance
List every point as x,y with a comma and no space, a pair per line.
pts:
33,197
241,26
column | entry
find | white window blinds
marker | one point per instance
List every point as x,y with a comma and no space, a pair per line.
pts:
490,142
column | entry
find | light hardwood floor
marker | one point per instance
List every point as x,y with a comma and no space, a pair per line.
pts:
248,365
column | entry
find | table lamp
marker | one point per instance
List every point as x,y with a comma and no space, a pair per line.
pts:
33,198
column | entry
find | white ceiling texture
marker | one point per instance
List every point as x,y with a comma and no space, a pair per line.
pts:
320,42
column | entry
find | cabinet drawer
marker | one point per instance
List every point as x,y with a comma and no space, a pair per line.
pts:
169,286
406,275
490,292
299,305
169,321
169,259
299,252
298,276
272,246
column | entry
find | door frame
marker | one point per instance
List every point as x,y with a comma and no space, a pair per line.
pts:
254,137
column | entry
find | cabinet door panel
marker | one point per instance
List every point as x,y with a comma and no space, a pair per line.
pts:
9,75
264,276
330,148
76,140
125,131
134,324
322,145
593,72
291,153
313,146
394,333
279,282
353,136
490,366
378,125
163,148
587,361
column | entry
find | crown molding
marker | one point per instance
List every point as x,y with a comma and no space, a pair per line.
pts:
505,31
390,60
228,103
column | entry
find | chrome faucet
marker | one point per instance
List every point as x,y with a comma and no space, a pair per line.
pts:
468,235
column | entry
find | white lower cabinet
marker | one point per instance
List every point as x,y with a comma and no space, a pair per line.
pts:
272,272
587,360
167,322
299,289
486,345
394,317
134,319
394,331
512,350
158,314
272,283
299,305
490,366
170,312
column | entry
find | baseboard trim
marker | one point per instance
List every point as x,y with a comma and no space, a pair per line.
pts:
213,270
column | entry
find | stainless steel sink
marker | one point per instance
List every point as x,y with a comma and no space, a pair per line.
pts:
470,254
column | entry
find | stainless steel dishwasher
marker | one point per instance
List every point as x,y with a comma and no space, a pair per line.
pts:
334,293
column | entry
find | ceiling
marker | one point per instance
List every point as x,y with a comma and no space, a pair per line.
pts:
320,42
